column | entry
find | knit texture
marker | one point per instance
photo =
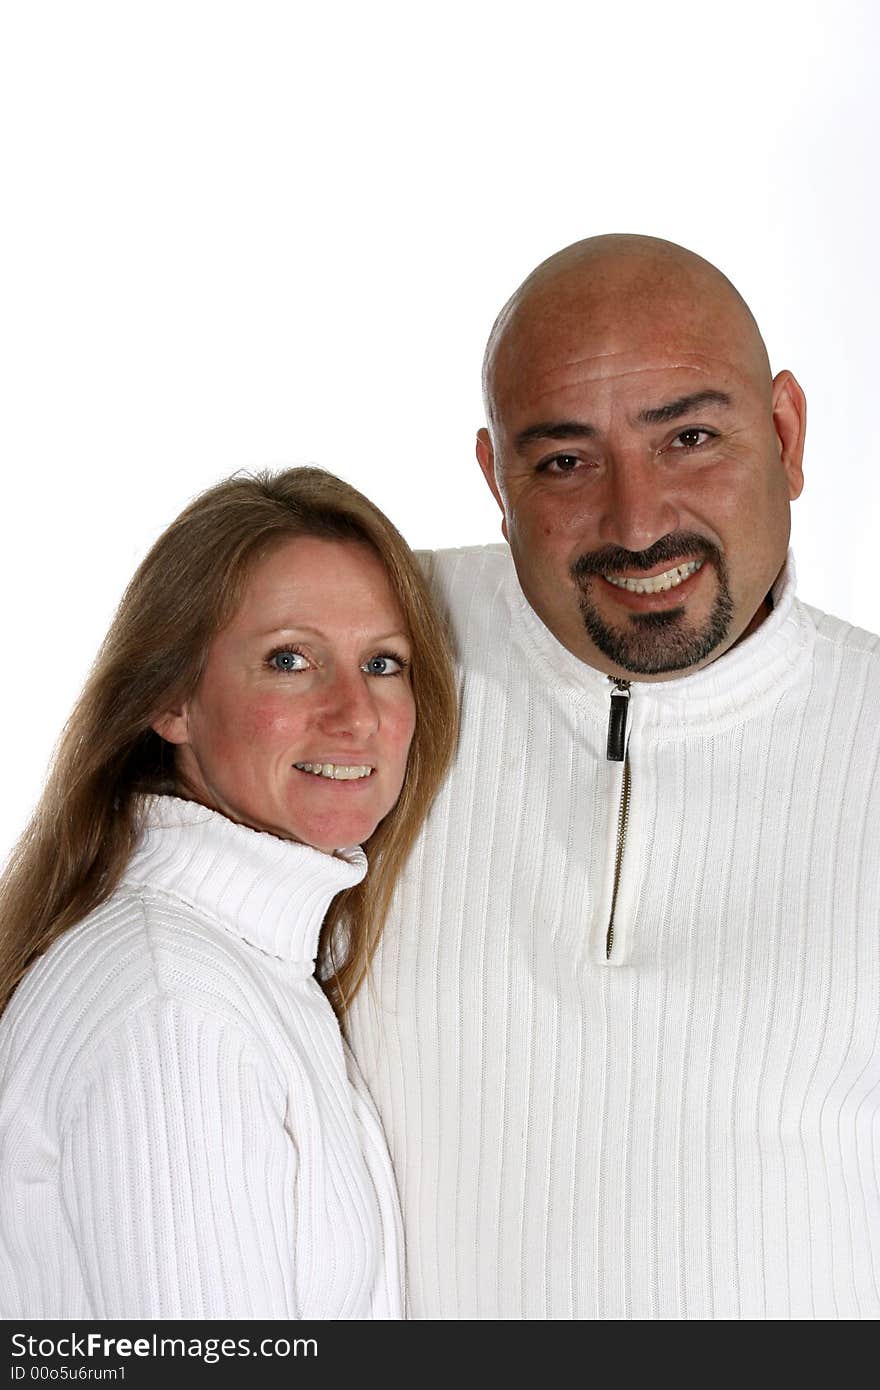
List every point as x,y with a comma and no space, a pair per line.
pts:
689,1127
182,1132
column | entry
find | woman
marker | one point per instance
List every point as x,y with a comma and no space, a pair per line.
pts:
182,1133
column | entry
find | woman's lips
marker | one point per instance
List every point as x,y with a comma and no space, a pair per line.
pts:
337,772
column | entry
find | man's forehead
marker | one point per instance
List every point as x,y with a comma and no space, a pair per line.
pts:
641,380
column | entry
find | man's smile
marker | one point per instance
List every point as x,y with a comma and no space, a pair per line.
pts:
657,583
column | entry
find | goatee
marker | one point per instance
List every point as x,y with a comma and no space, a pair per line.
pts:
652,644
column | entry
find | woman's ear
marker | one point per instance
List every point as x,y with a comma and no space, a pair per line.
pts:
173,725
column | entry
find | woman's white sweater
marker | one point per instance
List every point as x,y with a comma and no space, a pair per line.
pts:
182,1132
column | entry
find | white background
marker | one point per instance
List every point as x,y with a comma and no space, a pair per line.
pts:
249,234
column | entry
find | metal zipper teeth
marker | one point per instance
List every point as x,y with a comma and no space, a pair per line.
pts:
617,751
622,822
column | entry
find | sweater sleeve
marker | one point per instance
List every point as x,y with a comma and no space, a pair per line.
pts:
178,1174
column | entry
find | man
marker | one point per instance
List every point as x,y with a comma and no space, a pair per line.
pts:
623,1030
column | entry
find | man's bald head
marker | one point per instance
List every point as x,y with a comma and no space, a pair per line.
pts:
617,287
643,459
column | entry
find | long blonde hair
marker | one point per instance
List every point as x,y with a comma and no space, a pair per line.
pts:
75,849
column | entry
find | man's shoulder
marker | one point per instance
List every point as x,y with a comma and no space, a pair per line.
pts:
844,636
466,564
475,588
460,575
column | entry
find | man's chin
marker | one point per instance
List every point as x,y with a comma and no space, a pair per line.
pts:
658,644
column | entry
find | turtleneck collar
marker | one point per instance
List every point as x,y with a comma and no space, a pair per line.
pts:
732,687
274,893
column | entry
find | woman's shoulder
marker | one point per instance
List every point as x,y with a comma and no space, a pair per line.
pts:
139,943
140,953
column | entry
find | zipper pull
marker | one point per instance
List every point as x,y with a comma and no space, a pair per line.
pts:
616,748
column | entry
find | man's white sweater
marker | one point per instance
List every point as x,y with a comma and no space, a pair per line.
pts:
182,1134
689,1125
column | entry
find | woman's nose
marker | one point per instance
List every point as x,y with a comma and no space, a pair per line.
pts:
350,707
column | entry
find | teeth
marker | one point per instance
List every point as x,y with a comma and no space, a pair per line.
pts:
670,579
338,772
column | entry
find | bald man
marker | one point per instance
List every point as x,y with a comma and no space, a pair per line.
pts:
623,1029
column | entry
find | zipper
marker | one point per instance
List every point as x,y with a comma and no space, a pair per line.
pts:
622,821
615,748
616,751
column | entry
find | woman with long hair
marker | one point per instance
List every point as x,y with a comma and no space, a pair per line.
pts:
183,1133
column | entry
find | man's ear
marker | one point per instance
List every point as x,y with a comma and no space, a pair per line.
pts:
486,460
790,422
173,725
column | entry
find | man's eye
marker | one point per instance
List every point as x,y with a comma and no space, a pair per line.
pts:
559,463
384,665
691,439
287,659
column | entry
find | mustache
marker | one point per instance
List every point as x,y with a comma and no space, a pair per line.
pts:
677,545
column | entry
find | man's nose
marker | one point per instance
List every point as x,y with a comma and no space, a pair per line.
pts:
350,709
637,509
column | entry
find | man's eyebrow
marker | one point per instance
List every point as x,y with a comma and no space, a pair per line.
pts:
562,430
554,429
673,410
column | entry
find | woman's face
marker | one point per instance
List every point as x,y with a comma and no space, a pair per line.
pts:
302,720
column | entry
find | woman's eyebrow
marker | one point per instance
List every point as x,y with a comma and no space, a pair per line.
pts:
304,630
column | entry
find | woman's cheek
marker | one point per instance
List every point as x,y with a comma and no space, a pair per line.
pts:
404,723
262,720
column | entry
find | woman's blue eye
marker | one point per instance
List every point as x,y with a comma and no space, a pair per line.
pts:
285,659
384,665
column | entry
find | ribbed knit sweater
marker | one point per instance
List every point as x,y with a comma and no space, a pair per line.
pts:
688,1127
182,1132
